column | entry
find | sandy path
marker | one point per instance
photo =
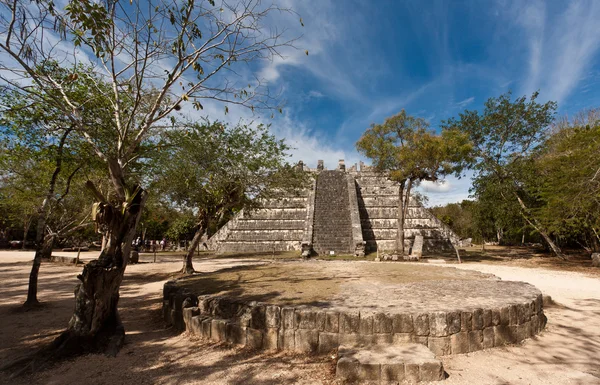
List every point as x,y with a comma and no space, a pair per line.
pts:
566,353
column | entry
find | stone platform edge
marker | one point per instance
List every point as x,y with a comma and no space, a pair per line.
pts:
316,330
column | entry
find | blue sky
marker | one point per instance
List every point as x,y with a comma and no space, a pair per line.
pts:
368,60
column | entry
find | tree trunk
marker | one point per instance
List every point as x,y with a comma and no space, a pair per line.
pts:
188,267
534,223
400,227
26,225
45,252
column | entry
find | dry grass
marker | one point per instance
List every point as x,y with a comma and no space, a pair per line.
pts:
312,282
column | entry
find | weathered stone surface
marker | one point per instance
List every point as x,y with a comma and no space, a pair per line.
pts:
459,343
332,322
305,319
287,316
488,337
477,319
254,338
321,319
271,339
286,339
440,346
454,322
349,322
505,315
236,334
513,313
206,328
306,341
328,342
421,323
487,318
402,323
466,322
502,335
382,323
218,331
366,324
475,340
196,325
188,313
523,313
393,372
496,318
258,317
388,364
402,338
438,324
273,316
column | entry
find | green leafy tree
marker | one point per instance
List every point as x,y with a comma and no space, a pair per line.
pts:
568,179
504,135
213,169
409,152
146,68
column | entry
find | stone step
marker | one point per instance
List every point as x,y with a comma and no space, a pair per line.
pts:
388,364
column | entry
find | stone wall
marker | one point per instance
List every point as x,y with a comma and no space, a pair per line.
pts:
320,330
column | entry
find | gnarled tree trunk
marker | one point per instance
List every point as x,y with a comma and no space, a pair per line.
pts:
188,267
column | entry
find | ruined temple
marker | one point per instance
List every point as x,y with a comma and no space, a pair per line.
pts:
344,211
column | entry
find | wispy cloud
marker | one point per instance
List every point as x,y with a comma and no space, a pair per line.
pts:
465,102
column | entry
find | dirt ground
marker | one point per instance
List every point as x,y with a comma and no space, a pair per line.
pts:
565,353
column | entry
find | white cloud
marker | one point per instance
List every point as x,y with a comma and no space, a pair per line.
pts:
450,190
315,94
465,102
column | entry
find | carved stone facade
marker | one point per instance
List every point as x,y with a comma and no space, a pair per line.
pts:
345,211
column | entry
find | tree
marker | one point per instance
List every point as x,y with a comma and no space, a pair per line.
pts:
212,169
504,136
568,179
409,152
43,154
151,59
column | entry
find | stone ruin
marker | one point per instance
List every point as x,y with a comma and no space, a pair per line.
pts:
346,211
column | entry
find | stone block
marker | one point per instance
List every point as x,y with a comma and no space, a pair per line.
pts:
431,371
286,339
287,317
382,339
254,338
475,340
539,303
393,372
236,334
422,340
258,317
477,319
332,322
523,313
411,373
542,321
321,319
218,330
271,339
496,316
166,311
306,340
513,312
421,323
206,328
505,316
273,316
196,325
459,343
382,323
502,335
402,323
402,338
347,369
488,337
523,331
596,260
351,339
454,322
305,319
438,324
440,346
349,322
188,313
369,371
366,324
328,342
466,321
487,318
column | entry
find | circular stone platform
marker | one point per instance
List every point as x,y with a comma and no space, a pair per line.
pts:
318,306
